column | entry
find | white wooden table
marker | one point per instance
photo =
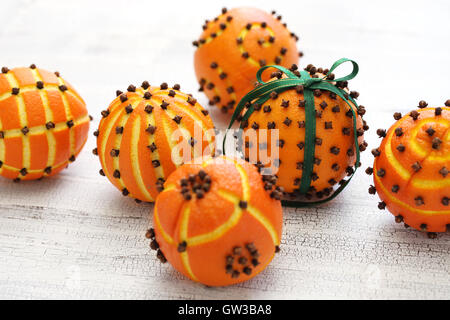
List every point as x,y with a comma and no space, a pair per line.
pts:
75,236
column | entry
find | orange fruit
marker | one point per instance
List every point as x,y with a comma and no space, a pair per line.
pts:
335,150
234,46
215,223
137,137
44,123
412,166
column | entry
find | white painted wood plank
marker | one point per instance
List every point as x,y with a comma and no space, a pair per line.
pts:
74,236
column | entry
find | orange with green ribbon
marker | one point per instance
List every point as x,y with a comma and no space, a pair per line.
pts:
262,93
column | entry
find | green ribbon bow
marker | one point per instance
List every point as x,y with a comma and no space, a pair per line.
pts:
261,94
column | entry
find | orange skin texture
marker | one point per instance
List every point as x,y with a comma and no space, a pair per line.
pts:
290,154
428,182
38,151
226,52
138,176
204,261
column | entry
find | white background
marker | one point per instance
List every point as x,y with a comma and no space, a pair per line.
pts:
75,236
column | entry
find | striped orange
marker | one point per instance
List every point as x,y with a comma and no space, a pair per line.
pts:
215,223
135,141
412,169
234,46
44,123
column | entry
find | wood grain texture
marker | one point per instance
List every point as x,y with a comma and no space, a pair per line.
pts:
74,236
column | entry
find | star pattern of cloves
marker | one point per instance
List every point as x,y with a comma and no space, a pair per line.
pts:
195,186
243,259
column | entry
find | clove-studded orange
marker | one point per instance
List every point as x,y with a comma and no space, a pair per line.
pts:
146,133
44,123
215,222
234,46
412,166
335,150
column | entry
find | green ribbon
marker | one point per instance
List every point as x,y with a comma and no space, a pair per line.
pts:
261,94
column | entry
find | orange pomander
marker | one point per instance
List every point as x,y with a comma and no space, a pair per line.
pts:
234,46
412,169
44,123
335,153
215,223
142,136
